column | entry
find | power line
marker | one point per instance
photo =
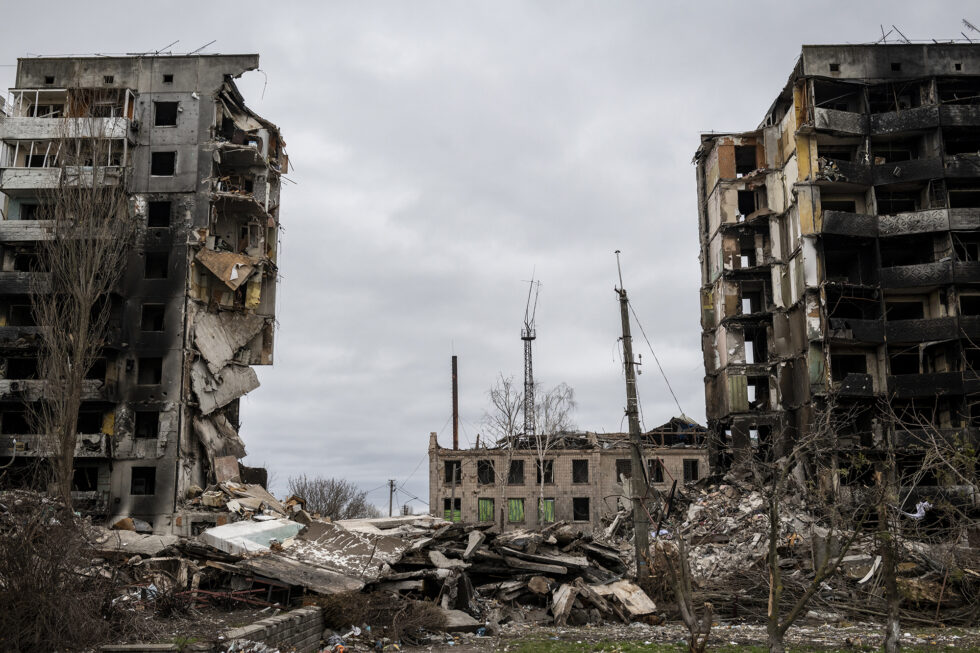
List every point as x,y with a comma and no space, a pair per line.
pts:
657,360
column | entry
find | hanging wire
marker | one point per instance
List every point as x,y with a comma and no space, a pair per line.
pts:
657,360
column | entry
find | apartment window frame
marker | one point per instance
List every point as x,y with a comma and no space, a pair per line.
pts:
149,370
449,468
655,470
546,510
142,479
486,510
624,467
165,113
546,468
692,470
485,472
455,505
578,477
515,472
163,163
515,510
146,425
581,506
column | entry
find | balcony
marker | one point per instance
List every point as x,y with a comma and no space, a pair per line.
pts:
872,331
922,330
33,389
22,283
925,438
20,182
840,122
960,115
25,231
855,385
18,128
19,337
88,445
962,165
964,219
966,271
911,170
905,386
849,224
914,222
849,172
970,326
923,275
925,117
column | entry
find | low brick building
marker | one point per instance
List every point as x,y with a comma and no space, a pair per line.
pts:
582,476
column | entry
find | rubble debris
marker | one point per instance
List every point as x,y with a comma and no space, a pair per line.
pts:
244,537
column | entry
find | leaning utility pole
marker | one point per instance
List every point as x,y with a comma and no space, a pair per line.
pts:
391,495
638,478
528,335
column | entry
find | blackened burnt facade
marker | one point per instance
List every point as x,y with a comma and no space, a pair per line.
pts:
840,252
196,305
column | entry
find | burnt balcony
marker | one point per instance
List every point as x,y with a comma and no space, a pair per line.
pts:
922,275
911,170
855,385
962,165
25,231
905,386
88,445
19,337
838,170
970,326
843,223
22,390
914,222
926,437
858,330
23,283
840,122
924,117
960,115
964,219
922,330
966,271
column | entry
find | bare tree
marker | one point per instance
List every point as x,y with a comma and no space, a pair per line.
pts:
502,419
553,416
677,569
332,497
80,264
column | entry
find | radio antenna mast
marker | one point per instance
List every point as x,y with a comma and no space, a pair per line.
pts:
528,335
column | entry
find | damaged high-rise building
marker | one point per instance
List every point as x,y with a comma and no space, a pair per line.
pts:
195,308
840,253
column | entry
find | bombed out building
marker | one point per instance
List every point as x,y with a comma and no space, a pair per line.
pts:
196,306
840,252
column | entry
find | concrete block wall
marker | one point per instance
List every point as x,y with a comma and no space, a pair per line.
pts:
298,630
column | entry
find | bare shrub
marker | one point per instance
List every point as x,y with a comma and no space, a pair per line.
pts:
395,616
332,497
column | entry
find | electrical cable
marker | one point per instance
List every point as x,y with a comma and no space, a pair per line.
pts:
657,360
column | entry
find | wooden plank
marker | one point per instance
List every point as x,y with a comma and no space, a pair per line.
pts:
518,563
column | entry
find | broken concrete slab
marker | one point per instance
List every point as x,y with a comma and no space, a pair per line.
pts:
226,468
245,537
457,621
634,599
129,543
233,269
314,578
218,437
476,538
518,563
218,390
442,562
219,336
359,555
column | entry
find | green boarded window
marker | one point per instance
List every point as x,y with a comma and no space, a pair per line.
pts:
486,509
546,510
515,510
451,514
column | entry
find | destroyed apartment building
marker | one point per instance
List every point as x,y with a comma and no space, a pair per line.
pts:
579,478
196,305
840,255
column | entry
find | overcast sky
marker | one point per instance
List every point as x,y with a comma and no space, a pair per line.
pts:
443,151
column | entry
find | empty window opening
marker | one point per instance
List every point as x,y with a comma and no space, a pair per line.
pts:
22,368
691,470
14,422
836,96
971,359
904,310
515,475
163,164
756,346
165,114
85,478
150,370
751,301
580,471
48,80
957,66
36,161
157,264
485,509
485,474
963,195
147,424
108,79
98,369
746,202
655,470
152,318
452,509
969,304
580,509
143,481
624,468
758,391
158,214
895,151
892,203
834,67
896,66
453,471
966,247
515,510
845,206
744,159
89,421
906,250
168,79
843,364
960,141
20,315
905,362
545,470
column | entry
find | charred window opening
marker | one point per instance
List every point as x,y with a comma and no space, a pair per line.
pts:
22,368
895,150
852,303
746,202
960,141
580,471
147,424
149,370
843,364
580,509
973,410
158,214
756,345
163,164
30,211
153,317
655,470
834,67
85,478
89,420
485,474
165,114
515,474
48,80
837,152
746,252
453,471
143,481
836,96
545,470
156,265
753,299
744,159
913,310
903,361
168,79
98,369
906,250
624,467
971,359
108,79
885,98
758,392
692,471
850,260
966,247
857,470
14,422
963,194
969,304
958,90
890,203
27,259
20,315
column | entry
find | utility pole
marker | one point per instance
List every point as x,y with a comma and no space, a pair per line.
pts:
455,407
638,478
391,495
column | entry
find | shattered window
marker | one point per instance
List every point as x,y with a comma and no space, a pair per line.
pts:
691,471
515,510
454,472
624,467
580,509
655,468
546,469
158,214
485,472
85,478
485,509
580,471
147,424
515,475
143,480
546,511
453,513
150,371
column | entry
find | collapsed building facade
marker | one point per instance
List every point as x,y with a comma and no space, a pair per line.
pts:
840,254
196,305
580,478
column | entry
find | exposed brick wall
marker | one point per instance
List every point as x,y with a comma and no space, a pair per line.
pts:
298,629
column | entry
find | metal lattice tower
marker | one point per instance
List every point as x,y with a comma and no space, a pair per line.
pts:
528,335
